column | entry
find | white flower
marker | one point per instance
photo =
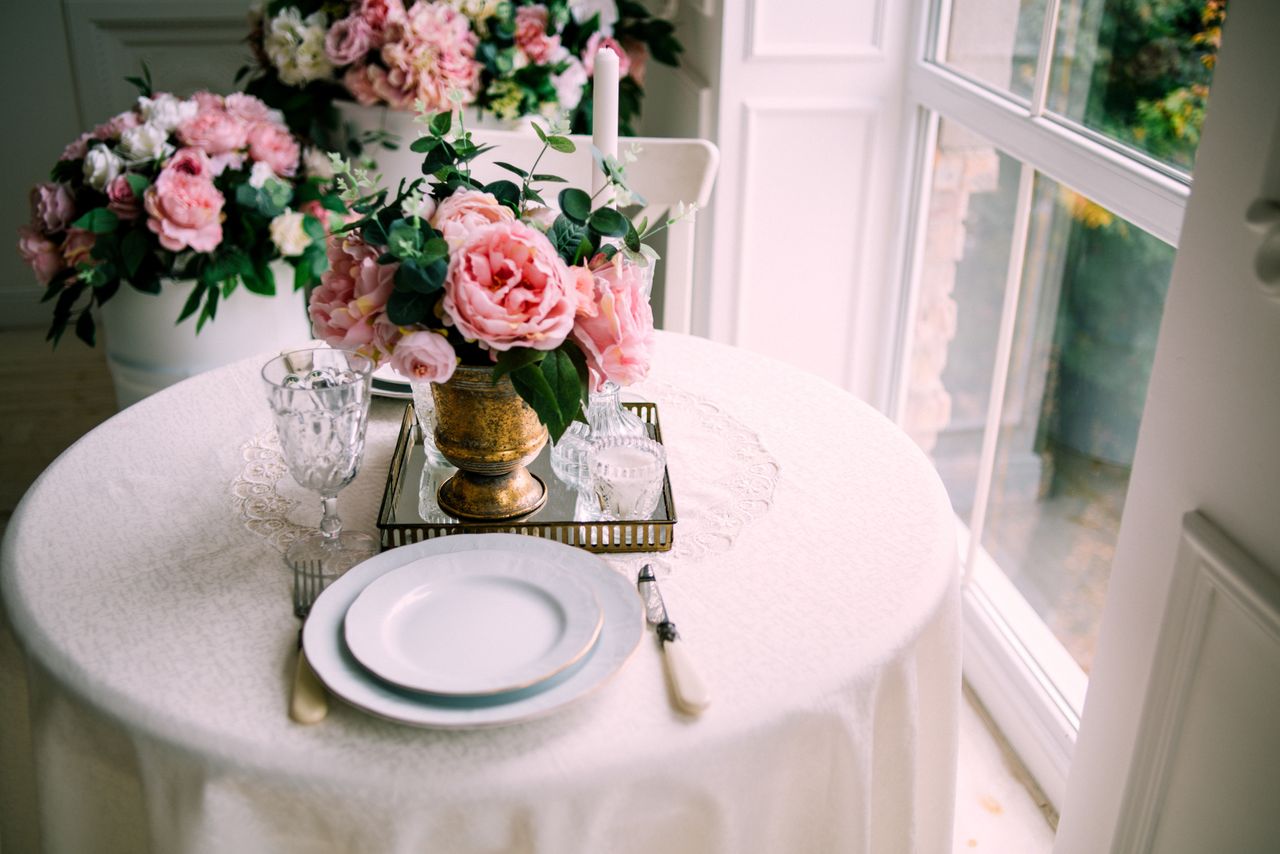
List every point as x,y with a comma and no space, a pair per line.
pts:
166,112
296,46
101,166
260,174
418,204
288,234
569,83
317,164
607,9
143,143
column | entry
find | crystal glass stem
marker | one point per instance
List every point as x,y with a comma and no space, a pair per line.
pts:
330,524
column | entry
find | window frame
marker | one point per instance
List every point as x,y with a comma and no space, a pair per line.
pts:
1030,685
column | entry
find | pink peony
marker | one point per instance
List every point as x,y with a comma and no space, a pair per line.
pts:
184,207
466,210
76,149
359,81
209,102
246,108
427,55
506,287
40,254
349,40
618,339
120,199
215,131
115,126
531,34
273,145
379,13
352,295
424,356
584,285
597,41
52,207
78,246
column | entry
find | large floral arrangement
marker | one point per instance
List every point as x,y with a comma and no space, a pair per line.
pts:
508,58
460,272
209,188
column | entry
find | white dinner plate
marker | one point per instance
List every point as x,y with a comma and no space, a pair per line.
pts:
620,633
387,382
444,625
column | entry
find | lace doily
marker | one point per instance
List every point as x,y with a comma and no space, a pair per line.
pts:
722,477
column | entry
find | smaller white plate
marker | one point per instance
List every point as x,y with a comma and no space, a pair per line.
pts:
387,382
443,625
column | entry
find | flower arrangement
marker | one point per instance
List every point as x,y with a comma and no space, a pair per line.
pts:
460,272
209,188
508,58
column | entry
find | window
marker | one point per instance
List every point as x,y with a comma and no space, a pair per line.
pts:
1056,147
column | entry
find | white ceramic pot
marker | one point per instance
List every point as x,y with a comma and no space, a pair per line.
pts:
147,351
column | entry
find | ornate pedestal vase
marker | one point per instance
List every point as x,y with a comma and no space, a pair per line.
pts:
487,431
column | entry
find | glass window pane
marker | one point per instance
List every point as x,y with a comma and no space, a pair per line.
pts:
1092,296
996,42
968,236
1138,71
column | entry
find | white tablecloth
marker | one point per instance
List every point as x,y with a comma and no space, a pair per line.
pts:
814,580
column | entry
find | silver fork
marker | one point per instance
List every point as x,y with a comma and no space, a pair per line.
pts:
308,702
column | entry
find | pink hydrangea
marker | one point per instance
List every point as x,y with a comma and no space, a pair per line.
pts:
597,41
427,55
184,207
52,207
532,36
618,339
352,295
349,40
273,145
424,356
40,254
214,130
507,287
121,200
466,210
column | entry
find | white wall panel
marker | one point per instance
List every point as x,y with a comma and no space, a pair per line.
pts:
815,28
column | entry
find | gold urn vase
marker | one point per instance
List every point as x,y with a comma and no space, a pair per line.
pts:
487,431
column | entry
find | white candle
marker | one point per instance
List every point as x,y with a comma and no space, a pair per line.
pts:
604,111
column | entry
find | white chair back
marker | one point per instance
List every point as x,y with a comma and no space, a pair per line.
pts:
667,171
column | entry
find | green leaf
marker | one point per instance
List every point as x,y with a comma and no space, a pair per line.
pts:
333,203
193,301
579,359
441,122
405,308
510,168
565,235
373,233
504,191
98,220
534,388
538,130
137,183
416,277
555,179
133,249
313,227
260,280
210,310
435,249
608,222
575,204
632,240
85,327
423,144
562,144
514,359
404,239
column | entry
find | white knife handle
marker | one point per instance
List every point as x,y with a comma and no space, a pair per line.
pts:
308,702
687,688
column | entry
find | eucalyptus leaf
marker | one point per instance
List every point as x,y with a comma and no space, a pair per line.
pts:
608,222
562,144
575,204
511,168
441,122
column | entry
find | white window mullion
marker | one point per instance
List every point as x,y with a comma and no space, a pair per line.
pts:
1044,62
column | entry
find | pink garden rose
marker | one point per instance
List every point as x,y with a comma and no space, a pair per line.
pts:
77,148
379,13
40,254
424,356
273,145
209,101
246,108
214,130
466,210
184,207
349,40
77,246
584,285
507,287
618,340
531,34
120,199
352,295
52,207
359,81
428,54
597,41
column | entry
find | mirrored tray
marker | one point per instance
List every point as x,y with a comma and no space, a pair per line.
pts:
410,514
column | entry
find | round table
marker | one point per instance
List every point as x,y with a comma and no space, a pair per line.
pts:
814,581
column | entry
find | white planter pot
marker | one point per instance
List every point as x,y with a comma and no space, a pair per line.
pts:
148,351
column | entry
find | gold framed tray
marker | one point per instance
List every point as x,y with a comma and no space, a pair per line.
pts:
409,512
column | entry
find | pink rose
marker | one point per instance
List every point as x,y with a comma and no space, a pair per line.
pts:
184,207
597,41
352,296
77,247
424,356
584,285
246,108
348,40
77,149
120,199
40,254
215,131
506,287
531,34
379,13
52,207
359,80
275,146
466,210
618,339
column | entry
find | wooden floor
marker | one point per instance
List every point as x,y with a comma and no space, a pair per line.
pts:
48,399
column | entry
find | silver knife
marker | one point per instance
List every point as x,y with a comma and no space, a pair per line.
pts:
688,691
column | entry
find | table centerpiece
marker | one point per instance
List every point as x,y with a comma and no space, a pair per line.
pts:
162,213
